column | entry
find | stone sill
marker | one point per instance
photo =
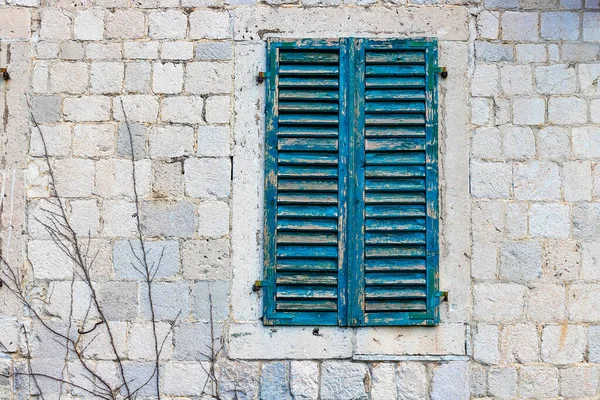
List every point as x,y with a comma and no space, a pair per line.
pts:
387,357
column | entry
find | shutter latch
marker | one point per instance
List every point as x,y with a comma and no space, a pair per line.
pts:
4,72
260,78
258,285
442,71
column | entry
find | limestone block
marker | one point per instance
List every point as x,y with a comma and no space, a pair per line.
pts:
169,219
106,77
563,344
546,303
343,380
206,259
168,24
94,140
304,380
560,25
89,24
207,178
171,141
498,302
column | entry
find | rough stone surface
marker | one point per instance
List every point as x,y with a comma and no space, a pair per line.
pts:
537,181
560,25
450,381
519,142
274,381
521,26
304,379
538,381
170,141
343,380
166,219
520,262
207,178
184,109
485,344
529,111
89,25
583,303
519,343
169,24
162,259
498,302
546,303
503,382
579,381
46,109
411,383
239,380
549,220
206,259
563,344
490,180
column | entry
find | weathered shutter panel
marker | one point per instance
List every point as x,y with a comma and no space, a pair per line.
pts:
305,164
394,150
351,189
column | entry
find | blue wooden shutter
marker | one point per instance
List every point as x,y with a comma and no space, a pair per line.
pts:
394,222
305,174
351,188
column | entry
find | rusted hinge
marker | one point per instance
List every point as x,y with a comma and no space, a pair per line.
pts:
442,71
443,295
258,285
260,78
4,72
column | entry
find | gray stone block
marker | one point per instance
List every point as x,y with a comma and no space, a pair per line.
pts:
193,341
342,380
138,137
238,380
521,262
119,300
493,52
137,375
219,295
593,334
171,300
586,221
450,381
501,3
46,109
169,219
162,258
214,51
274,383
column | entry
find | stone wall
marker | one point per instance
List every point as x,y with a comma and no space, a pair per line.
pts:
519,196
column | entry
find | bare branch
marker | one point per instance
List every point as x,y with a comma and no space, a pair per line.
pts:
79,258
147,270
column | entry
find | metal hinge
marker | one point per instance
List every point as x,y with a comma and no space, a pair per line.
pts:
258,285
442,71
4,72
260,78
443,295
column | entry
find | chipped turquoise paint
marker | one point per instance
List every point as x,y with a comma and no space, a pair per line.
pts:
356,187
351,187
